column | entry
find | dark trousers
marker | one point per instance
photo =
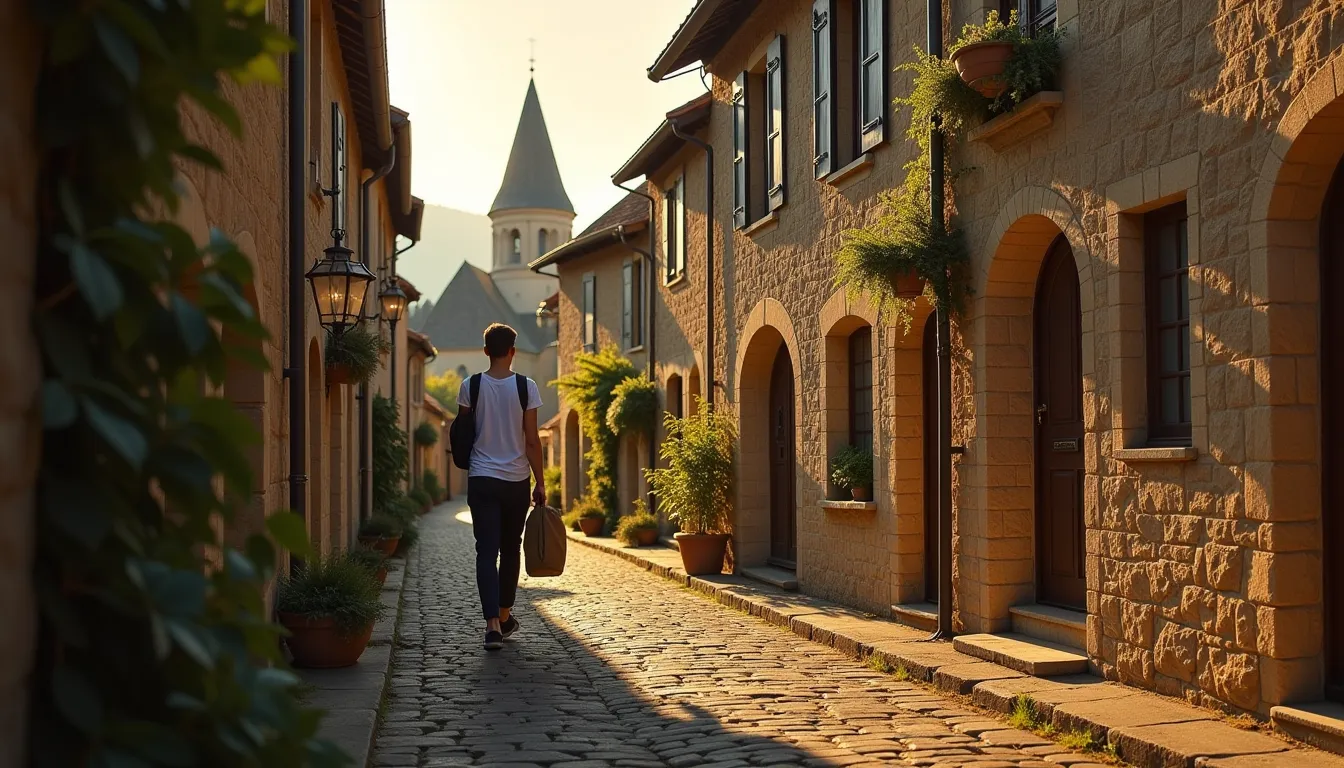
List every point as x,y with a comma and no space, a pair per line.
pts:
498,511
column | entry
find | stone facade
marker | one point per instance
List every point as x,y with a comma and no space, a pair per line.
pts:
1202,563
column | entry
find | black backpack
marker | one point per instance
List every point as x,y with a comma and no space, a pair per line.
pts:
462,435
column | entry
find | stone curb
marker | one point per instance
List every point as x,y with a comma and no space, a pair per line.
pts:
1148,730
352,697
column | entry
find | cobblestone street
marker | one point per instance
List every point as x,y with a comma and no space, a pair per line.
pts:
614,666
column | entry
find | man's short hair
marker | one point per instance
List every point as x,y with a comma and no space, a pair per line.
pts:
499,339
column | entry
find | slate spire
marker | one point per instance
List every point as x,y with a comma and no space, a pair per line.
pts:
532,179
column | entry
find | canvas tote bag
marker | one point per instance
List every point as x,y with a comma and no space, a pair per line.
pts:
544,542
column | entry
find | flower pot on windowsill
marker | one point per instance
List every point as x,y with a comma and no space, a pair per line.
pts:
861,494
907,285
591,526
339,373
646,537
702,553
981,66
317,643
386,545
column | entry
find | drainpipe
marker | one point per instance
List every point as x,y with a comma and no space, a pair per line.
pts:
944,631
649,333
709,253
298,303
365,446
393,371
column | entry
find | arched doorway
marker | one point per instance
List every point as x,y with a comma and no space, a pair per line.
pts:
693,391
1058,380
674,402
929,354
783,527
1332,422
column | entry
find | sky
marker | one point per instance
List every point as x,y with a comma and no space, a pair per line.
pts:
460,68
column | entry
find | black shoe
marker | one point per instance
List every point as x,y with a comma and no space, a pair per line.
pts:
509,627
493,641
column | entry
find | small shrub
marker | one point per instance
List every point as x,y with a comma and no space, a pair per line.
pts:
554,486
380,526
697,484
430,482
572,517
1083,740
634,406
403,509
426,435
334,586
1025,716
368,558
589,508
852,468
409,536
358,350
627,531
390,454
420,496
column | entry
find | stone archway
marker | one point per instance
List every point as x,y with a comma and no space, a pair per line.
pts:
996,514
1295,254
767,331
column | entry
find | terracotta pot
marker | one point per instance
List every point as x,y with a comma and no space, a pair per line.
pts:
317,643
861,494
702,553
388,546
907,285
340,374
591,526
981,66
646,537
381,575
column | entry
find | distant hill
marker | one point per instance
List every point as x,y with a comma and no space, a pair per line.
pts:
448,237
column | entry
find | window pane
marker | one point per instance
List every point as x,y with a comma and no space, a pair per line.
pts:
1170,353
872,92
1168,300
1171,402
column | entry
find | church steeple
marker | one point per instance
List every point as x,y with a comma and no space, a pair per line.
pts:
532,178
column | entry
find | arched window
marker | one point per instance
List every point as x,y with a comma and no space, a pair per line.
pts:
541,242
517,255
861,388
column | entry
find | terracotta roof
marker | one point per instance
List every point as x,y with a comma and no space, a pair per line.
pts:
626,217
412,293
551,423
532,179
663,143
420,343
433,404
701,35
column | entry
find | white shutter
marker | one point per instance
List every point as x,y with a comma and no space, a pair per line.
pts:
740,151
774,123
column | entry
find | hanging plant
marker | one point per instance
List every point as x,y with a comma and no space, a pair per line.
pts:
353,356
1004,62
426,435
589,389
634,406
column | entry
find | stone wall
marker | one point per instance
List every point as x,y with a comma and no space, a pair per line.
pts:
20,426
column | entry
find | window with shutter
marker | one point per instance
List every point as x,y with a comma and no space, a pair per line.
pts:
740,178
680,223
636,302
774,122
674,229
823,103
338,167
872,74
589,321
627,305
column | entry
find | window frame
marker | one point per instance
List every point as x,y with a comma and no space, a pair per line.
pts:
542,236
1160,431
824,114
870,57
674,230
515,246
741,153
589,310
776,106
632,303
860,370
1034,18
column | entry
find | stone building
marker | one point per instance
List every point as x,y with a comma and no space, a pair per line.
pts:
531,215
1148,483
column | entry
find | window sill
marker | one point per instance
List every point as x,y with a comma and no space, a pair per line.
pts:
762,225
677,281
1031,117
855,171
1164,453
845,505
638,348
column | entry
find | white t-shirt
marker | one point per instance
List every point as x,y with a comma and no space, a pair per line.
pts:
501,449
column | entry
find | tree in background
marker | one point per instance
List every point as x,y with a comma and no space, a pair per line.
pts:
444,388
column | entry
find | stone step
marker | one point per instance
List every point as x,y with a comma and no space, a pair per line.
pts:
1320,724
769,574
1046,622
1029,655
918,615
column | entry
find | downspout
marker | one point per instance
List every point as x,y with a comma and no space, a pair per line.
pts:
365,446
945,586
649,330
393,355
298,304
709,254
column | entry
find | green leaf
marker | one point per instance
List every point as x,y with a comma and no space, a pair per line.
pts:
239,567
77,699
97,282
191,643
124,437
58,405
290,532
76,509
70,207
191,324
136,26
119,49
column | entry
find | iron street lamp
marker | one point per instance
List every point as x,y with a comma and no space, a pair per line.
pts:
339,287
392,301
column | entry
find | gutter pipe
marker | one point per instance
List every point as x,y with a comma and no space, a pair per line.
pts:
649,304
945,586
365,412
298,304
709,252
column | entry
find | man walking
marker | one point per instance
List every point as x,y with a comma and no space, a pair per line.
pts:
506,451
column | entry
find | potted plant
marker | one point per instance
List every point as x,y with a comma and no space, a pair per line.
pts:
591,519
852,469
696,485
430,482
372,560
982,51
381,532
352,356
425,435
634,406
405,511
329,605
422,498
554,486
639,529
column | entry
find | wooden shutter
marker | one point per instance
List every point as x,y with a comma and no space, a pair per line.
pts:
627,306
589,306
681,225
637,302
669,233
338,166
740,151
872,74
823,85
775,168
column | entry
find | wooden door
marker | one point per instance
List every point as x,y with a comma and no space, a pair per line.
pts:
1332,422
931,485
1060,578
783,536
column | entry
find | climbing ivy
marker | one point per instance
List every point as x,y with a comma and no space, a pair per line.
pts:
154,646
590,389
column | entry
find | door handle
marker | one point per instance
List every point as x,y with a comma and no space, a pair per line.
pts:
1040,413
